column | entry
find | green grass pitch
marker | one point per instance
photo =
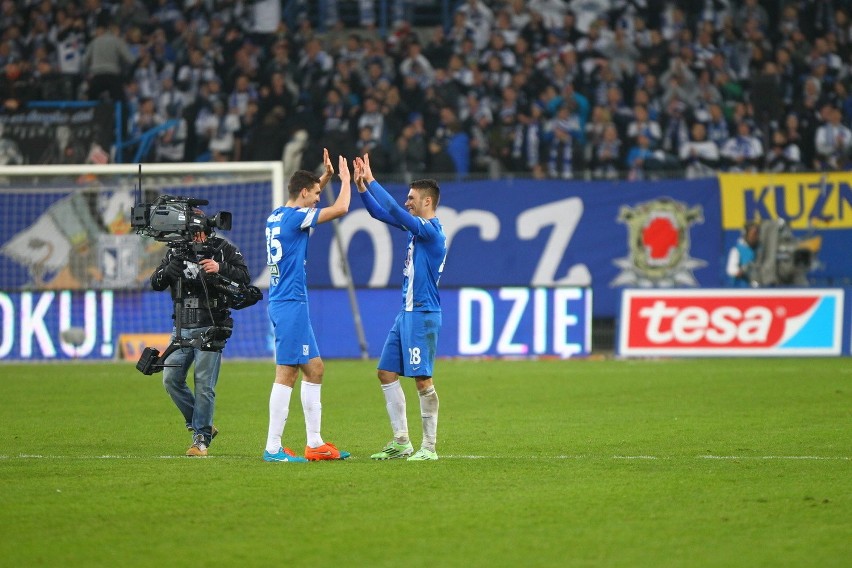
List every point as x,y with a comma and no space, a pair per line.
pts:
711,462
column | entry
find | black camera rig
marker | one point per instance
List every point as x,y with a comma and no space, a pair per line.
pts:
173,219
211,339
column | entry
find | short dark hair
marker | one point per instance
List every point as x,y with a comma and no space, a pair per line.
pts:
428,187
300,180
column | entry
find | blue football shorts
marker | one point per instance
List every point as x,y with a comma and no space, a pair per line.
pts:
411,344
295,343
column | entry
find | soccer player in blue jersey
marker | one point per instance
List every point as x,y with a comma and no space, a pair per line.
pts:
287,232
410,347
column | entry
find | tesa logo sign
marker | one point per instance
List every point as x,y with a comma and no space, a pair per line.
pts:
731,322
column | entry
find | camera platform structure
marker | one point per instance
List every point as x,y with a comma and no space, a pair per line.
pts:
212,339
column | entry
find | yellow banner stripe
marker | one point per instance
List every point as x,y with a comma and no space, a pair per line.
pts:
805,201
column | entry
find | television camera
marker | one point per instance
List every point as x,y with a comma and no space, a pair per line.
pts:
176,221
783,259
172,219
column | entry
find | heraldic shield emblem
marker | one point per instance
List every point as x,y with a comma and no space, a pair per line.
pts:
658,245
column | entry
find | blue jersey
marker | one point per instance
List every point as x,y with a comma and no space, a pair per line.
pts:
287,232
425,254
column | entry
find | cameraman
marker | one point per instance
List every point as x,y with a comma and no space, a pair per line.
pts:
205,311
741,258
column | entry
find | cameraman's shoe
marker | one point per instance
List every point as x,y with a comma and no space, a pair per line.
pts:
213,431
198,447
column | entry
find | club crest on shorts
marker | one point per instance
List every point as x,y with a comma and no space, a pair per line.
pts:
658,244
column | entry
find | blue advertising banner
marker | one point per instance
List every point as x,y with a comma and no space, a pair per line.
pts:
513,321
606,235
545,233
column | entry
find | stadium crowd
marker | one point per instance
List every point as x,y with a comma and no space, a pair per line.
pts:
549,88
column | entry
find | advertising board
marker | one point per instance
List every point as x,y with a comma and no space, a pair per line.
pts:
772,322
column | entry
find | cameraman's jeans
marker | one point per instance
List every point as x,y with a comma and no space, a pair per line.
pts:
197,409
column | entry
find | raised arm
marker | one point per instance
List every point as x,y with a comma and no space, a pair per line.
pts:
375,210
329,169
341,205
400,216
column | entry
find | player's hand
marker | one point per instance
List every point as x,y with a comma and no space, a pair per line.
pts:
343,166
358,164
329,168
209,265
368,172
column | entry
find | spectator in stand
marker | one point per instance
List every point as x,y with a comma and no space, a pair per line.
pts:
606,162
717,126
170,102
276,93
368,144
618,109
640,158
843,101
336,123
782,156
395,113
479,18
217,129
495,79
147,75
698,155
595,127
249,125
675,127
46,79
280,62
411,147
195,72
145,119
171,144
68,40
529,144
374,119
622,54
438,49
560,163
314,70
131,13
481,158
833,141
244,93
166,13
458,148
641,124
743,152
416,64
107,60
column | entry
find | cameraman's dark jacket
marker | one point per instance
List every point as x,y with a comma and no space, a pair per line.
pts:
197,305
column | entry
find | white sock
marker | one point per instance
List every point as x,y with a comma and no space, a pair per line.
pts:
395,402
429,414
279,409
312,407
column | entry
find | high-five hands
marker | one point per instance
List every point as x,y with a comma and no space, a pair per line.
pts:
343,167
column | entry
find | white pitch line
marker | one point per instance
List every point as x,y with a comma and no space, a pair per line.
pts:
450,457
846,458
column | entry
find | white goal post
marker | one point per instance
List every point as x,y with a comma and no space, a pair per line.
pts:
65,236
